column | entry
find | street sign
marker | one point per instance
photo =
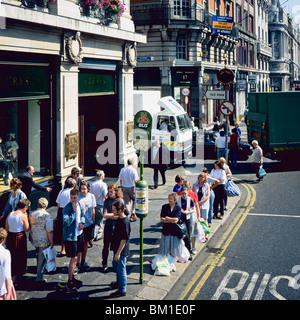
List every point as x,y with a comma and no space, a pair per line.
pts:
227,108
185,91
215,94
142,130
225,76
222,24
252,79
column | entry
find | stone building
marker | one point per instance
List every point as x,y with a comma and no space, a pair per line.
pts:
182,51
284,38
66,86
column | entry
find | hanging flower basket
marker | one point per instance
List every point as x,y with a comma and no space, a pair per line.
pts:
113,7
44,3
90,7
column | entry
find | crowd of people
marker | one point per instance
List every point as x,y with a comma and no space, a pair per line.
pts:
188,203
81,208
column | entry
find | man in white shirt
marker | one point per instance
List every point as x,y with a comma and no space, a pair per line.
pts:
257,159
220,145
164,125
99,189
128,178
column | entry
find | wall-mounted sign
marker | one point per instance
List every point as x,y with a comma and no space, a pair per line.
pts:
222,24
225,76
71,145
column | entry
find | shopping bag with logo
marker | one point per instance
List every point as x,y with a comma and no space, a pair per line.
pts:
50,255
261,172
231,189
204,226
162,266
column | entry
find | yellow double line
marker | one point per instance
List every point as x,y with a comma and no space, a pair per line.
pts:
214,260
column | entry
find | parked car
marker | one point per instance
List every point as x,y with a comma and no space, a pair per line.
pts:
209,147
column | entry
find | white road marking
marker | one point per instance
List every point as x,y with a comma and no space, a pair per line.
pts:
273,215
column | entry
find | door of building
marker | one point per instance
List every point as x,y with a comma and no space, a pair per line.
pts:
98,113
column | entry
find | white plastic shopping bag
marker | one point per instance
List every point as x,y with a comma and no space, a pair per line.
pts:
50,255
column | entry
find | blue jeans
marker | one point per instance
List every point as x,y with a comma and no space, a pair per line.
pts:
233,155
120,269
211,203
221,152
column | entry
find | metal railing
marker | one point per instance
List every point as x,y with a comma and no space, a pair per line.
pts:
166,15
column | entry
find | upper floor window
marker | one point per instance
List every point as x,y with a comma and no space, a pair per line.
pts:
182,8
238,14
251,23
181,47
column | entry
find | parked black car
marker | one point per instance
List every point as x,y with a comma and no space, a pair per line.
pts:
209,147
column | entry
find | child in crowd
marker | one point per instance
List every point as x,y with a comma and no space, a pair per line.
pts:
178,186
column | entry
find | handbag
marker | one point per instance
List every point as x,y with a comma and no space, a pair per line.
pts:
261,172
231,189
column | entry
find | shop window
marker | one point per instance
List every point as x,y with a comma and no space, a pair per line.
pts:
25,129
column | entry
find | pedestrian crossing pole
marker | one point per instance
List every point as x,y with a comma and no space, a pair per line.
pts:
226,77
142,142
141,210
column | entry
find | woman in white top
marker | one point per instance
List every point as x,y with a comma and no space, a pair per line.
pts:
228,176
202,189
7,290
219,188
62,200
16,225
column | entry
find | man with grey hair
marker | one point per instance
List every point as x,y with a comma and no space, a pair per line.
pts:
99,189
128,178
257,159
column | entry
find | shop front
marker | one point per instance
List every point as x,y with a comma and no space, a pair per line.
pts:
26,117
26,120
98,117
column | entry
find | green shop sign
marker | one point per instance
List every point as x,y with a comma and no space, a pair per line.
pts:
21,81
92,83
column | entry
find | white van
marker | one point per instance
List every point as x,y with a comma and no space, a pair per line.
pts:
170,124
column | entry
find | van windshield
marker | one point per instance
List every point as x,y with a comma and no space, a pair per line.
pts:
184,122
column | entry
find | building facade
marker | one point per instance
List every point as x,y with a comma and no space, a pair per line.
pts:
182,51
284,38
66,87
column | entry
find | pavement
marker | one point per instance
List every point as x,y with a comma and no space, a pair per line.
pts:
96,284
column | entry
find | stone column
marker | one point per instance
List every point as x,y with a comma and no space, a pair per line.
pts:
67,114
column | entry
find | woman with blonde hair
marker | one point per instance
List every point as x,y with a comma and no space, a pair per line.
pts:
228,175
202,188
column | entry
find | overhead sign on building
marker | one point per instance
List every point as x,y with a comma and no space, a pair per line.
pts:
222,24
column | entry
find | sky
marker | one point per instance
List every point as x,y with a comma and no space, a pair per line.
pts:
292,7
